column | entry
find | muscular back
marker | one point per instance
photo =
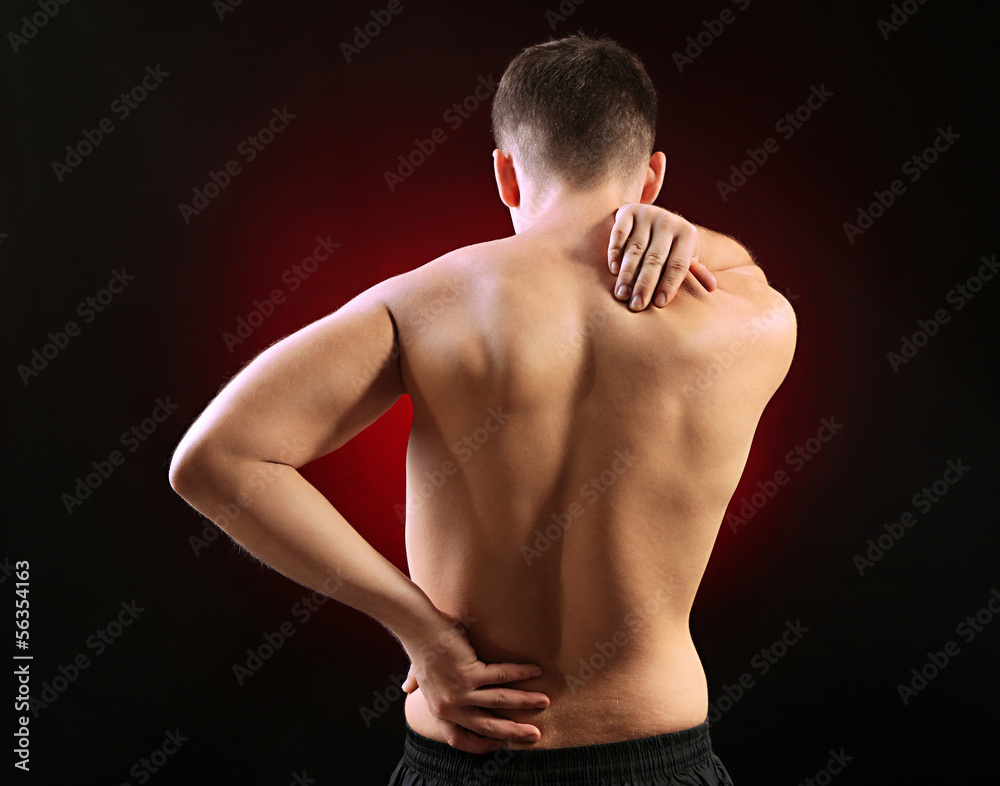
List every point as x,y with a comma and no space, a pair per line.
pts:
568,468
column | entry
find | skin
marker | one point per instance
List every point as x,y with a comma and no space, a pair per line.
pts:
535,395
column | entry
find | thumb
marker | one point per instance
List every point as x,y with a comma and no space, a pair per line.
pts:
410,683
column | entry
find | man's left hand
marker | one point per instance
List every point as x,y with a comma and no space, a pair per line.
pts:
651,251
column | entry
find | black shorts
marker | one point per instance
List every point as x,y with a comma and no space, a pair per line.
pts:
683,758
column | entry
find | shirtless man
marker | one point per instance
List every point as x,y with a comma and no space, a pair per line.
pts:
553,568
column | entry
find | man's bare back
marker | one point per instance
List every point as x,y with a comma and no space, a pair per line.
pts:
570,458
569,465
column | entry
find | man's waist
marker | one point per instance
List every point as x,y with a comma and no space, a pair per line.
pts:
603,697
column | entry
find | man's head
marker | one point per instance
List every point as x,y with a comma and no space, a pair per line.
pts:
576,113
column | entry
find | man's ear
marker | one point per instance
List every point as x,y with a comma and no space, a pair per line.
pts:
653,181
507,185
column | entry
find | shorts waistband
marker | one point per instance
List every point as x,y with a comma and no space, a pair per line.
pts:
646,757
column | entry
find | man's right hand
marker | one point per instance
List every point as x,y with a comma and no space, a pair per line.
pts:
460,691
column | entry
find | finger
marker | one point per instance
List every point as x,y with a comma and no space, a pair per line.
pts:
410,683
624,220
464,740
655,256
500,673
635,249
704,275
486,724
509,699
681,256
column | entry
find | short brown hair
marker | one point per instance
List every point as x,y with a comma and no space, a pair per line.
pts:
577,110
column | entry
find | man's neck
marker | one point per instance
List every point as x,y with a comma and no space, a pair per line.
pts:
578,223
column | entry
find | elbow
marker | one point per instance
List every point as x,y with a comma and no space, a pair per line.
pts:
204,473
188,469
180,473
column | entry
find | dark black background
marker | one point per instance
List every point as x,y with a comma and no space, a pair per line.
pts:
300,714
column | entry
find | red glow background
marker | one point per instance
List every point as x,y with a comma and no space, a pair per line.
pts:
324,175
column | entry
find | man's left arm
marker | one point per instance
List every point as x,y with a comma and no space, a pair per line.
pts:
652,250
295,402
